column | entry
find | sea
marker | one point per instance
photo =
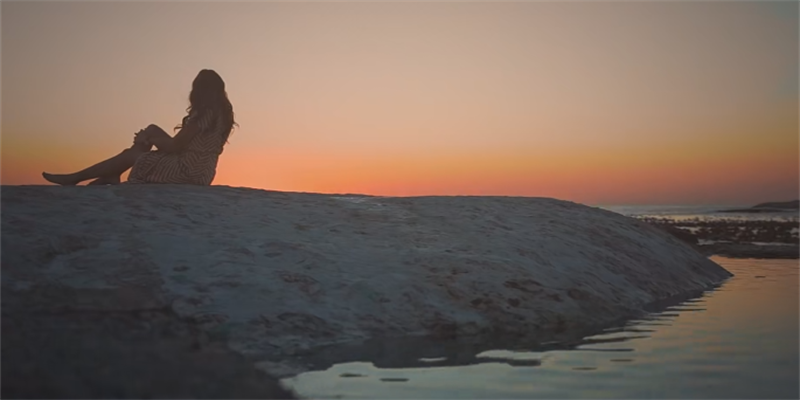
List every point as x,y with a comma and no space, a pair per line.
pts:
739,341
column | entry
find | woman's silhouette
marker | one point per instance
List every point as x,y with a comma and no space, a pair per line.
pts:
190,157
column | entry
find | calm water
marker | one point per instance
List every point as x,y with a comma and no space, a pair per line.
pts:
738,341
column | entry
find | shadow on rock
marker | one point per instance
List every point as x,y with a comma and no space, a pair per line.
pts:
52,352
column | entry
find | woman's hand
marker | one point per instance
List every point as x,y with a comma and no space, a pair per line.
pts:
141,137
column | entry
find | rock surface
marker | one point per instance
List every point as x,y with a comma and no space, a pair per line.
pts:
272,275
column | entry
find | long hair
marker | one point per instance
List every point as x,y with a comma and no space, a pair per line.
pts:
208,94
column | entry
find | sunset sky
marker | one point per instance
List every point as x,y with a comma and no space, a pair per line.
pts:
597,102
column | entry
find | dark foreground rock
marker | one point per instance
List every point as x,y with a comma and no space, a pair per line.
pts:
76,344
121,287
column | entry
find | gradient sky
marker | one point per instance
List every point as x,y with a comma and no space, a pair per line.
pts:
595,102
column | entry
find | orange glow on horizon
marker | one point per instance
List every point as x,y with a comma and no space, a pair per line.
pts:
518,99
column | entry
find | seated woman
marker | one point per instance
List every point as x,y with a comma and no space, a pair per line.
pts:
190,157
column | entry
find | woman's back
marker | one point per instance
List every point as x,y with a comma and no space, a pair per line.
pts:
212,135
202,153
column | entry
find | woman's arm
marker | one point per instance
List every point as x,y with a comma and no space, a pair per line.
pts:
168,144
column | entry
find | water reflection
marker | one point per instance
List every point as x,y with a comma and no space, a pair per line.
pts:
739,341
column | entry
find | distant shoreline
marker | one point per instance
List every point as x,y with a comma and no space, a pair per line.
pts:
785,206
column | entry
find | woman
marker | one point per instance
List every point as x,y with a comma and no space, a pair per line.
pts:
190,157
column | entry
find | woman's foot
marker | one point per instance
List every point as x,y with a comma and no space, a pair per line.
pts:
105,181
59,179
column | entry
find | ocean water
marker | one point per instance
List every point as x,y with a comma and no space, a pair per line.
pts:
737,341
703,212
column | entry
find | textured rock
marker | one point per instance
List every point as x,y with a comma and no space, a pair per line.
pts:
276,274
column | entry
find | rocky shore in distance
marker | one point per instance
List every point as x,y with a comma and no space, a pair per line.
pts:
736,238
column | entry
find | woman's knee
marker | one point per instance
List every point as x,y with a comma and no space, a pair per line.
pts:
154,128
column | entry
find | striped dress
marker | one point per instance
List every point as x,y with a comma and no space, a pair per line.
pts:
196,165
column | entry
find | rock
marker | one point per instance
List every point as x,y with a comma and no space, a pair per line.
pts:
684,235
108,352
272,275
735,238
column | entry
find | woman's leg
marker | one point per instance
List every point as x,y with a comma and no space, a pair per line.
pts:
155,130
109,170
152,130
114,166
106,180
